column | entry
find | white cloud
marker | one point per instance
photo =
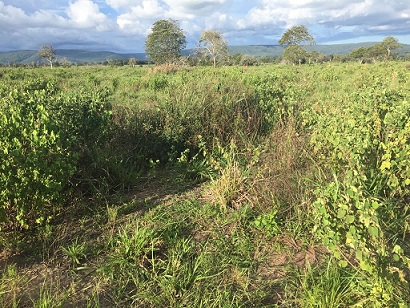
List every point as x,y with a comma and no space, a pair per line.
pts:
195,7
359,16
13,18
86,14
119,4
139,19
24,24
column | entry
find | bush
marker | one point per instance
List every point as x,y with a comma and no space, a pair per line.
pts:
46,136
362,209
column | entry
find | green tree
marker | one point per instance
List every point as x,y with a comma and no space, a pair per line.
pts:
296,36
360,54
376,52
166,41
295,54
294,39
389,44
48,53
213,45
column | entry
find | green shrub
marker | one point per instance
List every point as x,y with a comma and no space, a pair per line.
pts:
35,162
46,137
362,210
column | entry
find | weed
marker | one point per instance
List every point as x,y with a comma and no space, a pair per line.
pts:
10,283
330,287
75,251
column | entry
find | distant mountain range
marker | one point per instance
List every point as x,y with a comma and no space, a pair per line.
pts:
276,50
87,56
70,55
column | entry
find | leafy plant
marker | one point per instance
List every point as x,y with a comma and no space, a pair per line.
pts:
267,223
75,251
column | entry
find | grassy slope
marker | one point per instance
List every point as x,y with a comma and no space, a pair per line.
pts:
243,238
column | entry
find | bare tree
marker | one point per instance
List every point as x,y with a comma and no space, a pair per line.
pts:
47,52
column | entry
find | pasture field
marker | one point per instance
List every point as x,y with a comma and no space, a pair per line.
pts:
267,186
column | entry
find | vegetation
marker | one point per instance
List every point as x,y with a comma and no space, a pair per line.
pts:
47,52
293,39
377,52
212,44
159,186
165,42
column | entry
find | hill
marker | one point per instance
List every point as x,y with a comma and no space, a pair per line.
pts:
87,56
71,55
276,50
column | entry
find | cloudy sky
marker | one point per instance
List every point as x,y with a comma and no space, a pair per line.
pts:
123,25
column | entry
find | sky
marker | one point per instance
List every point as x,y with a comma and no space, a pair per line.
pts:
123,25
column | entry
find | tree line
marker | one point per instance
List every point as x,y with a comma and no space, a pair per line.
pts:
165,43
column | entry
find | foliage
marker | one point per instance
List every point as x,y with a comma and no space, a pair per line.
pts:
293,39
295,54
46,135
47,52
380,51
390,44
35,161
165,42
207,187
362,211
295,36
212,44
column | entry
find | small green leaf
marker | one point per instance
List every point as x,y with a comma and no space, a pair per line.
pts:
349,219
342,263
375,205
341,213
350,193
359,255
373,231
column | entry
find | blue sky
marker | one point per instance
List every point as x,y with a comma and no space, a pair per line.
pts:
123,25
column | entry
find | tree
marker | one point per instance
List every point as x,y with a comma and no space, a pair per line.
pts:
389,44
295,54
165,43
360,54
294,39
213,45
377,51
47,52
132,62
295,36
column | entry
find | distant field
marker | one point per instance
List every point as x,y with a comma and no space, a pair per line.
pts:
162,186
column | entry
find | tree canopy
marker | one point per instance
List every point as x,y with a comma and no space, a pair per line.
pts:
47,52
293,39
166,41
380,51
212,44
389,44
295,36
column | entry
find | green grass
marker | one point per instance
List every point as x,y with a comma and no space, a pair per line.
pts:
217,188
